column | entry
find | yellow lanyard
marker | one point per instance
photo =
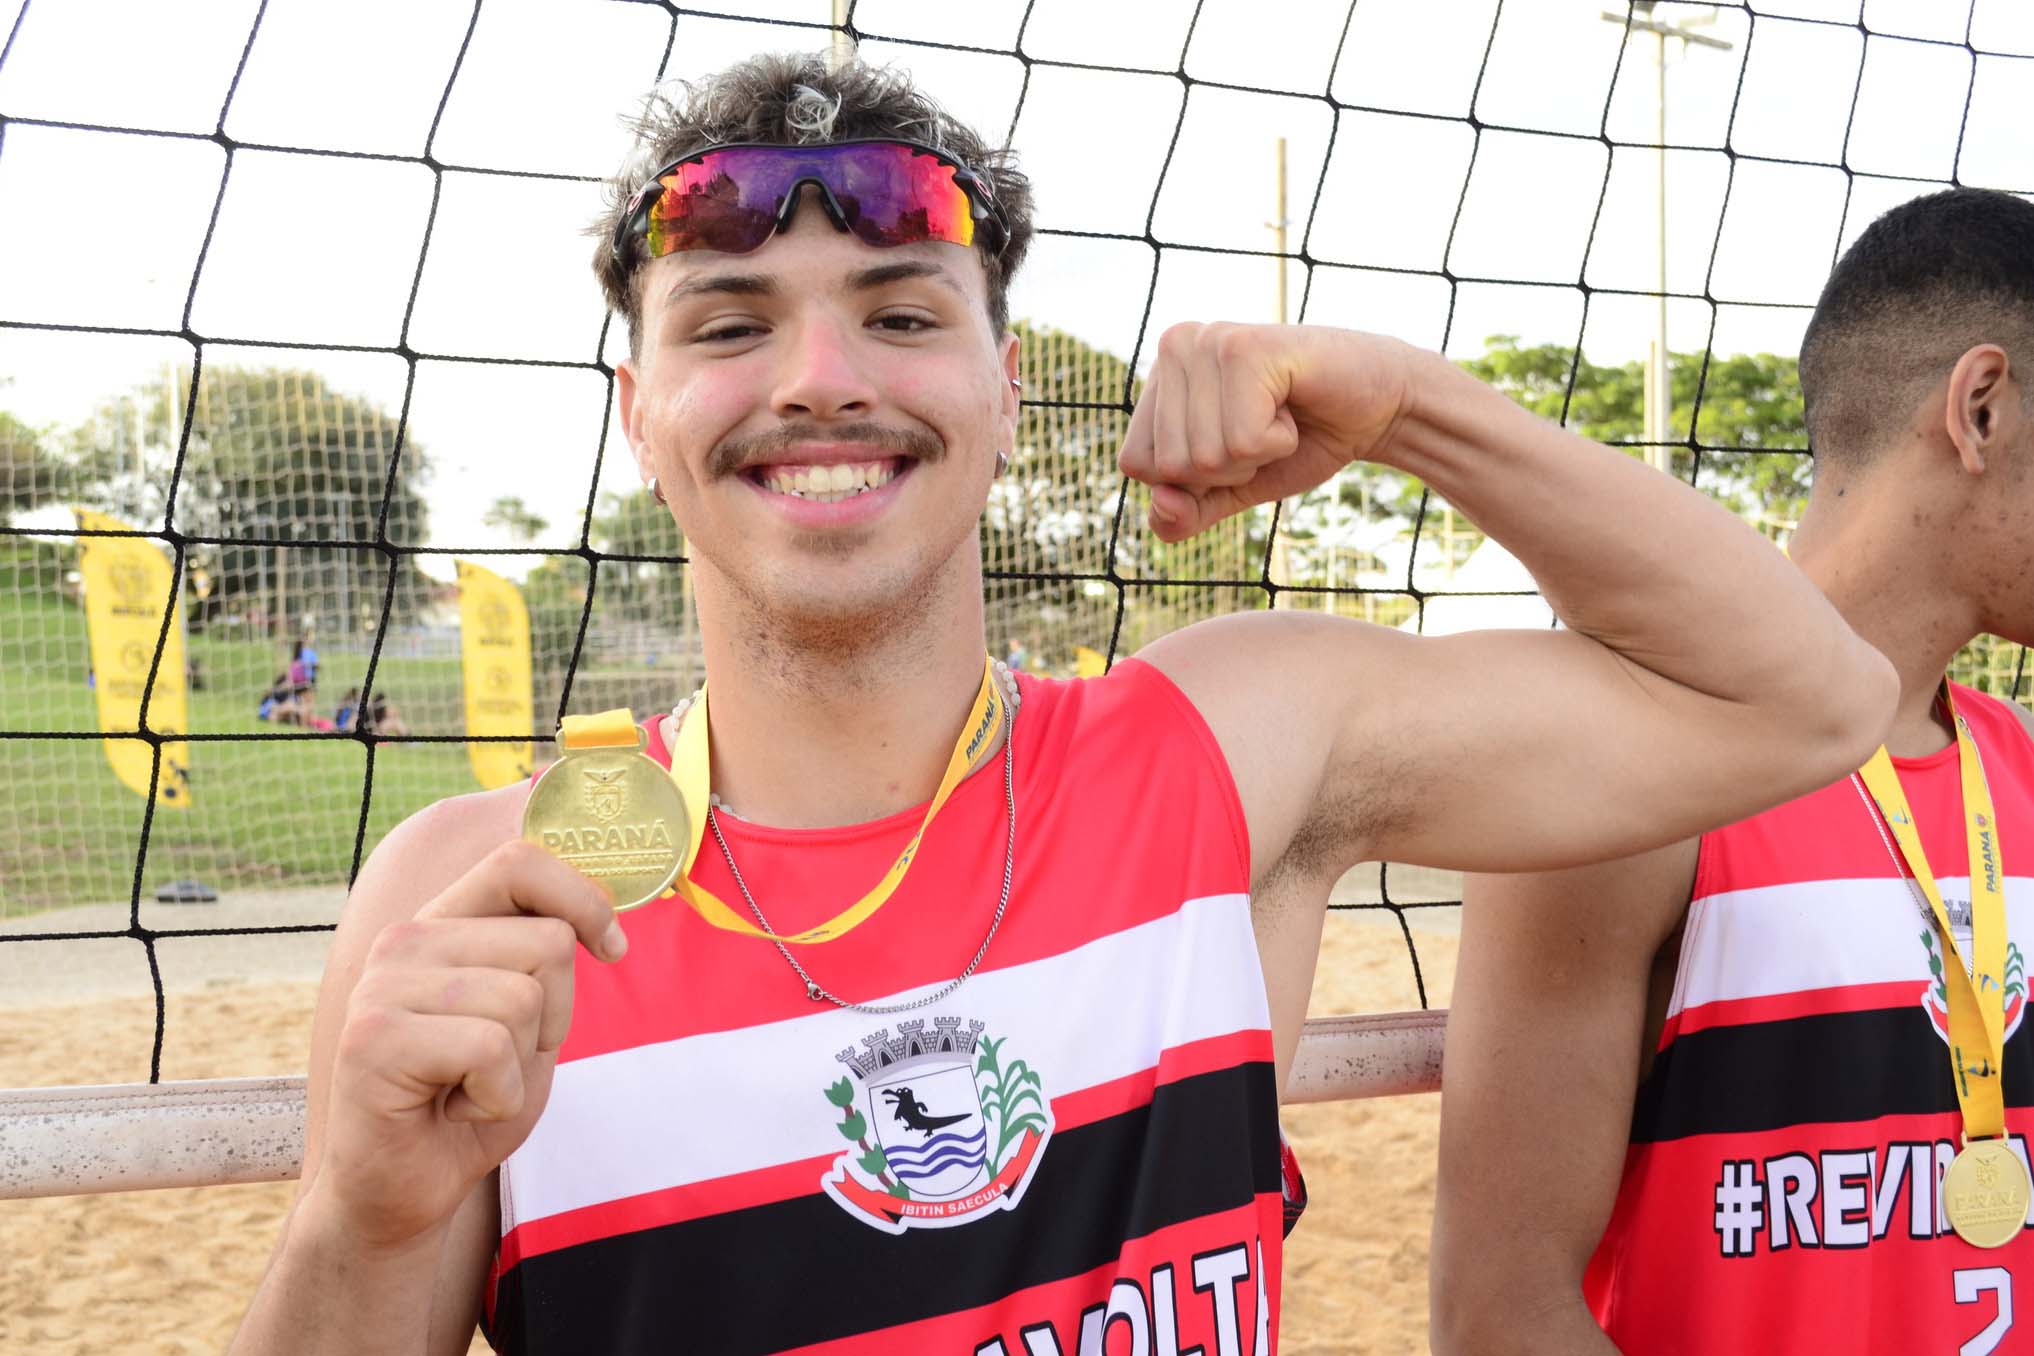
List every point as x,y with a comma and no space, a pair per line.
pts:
1976,991
691,769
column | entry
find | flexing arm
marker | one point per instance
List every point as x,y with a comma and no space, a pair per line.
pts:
1702,677
445,998
1545,1042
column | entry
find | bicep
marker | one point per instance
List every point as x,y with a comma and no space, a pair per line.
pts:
1531,750
1543,1052
1486,751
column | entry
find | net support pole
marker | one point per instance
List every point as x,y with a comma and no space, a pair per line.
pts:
132,1137
140,1136
1379,1054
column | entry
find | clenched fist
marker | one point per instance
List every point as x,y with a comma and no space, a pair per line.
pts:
1237,415
451,1034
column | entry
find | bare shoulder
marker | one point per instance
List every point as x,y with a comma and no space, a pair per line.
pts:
1228,658
429,850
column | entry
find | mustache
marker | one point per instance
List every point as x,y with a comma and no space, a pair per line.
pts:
738,452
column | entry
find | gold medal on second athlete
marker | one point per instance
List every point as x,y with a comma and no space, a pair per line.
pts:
610,810
1985,1194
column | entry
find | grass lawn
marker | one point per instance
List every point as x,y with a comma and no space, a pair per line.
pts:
264,813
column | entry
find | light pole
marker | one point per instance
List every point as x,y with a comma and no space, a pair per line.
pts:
1659,394
842,48
1280,564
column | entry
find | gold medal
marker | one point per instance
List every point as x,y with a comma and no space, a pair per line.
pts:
1985,1194
609,810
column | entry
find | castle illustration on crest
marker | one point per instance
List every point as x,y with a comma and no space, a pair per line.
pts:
882,1050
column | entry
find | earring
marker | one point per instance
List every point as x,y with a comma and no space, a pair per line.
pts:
1002,463
656,491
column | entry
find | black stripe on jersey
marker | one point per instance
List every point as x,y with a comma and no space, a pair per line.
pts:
1833,1067
804,1270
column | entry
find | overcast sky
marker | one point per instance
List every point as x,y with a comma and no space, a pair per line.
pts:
103,229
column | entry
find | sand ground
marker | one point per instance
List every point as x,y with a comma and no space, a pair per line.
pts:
169,1271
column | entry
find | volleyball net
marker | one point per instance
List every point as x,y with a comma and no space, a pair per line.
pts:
294,302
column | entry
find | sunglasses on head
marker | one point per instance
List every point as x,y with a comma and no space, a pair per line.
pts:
733,198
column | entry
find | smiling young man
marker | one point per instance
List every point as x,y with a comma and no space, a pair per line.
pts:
1742,1093
964,1029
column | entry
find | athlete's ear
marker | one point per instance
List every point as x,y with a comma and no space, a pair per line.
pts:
1975,407
625,405
1013,391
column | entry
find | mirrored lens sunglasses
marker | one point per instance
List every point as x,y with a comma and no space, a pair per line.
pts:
733,198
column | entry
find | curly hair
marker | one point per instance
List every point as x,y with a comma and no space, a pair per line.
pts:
796,99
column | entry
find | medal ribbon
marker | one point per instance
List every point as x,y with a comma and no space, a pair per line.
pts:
1976,995
691,769
614,729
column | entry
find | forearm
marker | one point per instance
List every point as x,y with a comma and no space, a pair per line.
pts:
1634,559
325,1294
1552,991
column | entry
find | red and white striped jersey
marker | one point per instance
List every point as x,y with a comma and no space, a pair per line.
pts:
1077,1151
1782,1191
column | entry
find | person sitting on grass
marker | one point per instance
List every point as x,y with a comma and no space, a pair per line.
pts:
385,719
280,703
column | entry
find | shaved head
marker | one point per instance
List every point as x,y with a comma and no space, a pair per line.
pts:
1924,284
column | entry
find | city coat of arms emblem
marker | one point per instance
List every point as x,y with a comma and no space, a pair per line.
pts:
944,1127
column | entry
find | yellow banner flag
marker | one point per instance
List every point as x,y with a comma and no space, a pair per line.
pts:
494,648
1089,663
128,583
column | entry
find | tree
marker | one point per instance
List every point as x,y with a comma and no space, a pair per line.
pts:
1750,425
652,590
30,474
1058,496
555,593
636,525
510,514
273,453
1053,517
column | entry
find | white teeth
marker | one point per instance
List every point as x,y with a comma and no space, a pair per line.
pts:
831,483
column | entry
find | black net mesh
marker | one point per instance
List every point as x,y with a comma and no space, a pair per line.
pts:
324,267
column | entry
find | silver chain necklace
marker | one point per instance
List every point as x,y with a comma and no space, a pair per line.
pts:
1899,862
1900,865
813,989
